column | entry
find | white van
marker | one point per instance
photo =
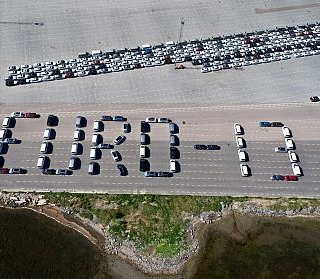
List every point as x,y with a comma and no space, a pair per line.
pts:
237,129
296,169
142,151
44,147
7,122
240,142
93,153
41,162
244,170
96,139
173,166
47,133
97,126
242,155
293,157
3,134
74,148
289,144
286,132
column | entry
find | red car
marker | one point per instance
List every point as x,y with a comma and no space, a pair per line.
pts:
31,115
4,170
291,178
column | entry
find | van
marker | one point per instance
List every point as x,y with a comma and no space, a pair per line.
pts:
78,134
75,148
74,163
96,52
96,139
242,155
296,169
240,142
97,126
47,133
93,153
144,139
42,160
7,121
290,144
173,166
3,134
293,157
84,54
142,151
172,128
80,122
93,168
174,141
238,129
44,147
244,170
286,132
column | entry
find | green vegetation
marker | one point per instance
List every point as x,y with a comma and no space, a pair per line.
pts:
157,223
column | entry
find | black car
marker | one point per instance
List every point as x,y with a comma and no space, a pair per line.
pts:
10,83
200,147
277,124
165,174
122,169
174,153
81,121
145,127
105,146
3,147
49,171
63,172
52,120
12,141
315,99
106,118
213,147
143,165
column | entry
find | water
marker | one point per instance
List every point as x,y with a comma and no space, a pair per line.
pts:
252,247
33,246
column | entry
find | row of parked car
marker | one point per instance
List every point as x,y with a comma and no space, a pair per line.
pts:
242,154
213,54
145,151
5,140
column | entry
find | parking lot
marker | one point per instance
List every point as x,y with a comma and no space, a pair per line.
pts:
202,171
205,106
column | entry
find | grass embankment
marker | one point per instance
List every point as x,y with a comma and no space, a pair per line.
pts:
158,223
154,223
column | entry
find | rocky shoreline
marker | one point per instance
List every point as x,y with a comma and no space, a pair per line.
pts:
126,250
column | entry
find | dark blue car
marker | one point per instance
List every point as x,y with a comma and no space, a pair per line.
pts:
264,124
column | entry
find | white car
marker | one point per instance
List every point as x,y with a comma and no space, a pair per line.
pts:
151,119
115,155
205,70
238,129
18,114
244,170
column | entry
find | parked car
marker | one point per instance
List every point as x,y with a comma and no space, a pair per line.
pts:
105,146
165,174
119,118
143,165
63,172
213,147
150,174
291,178
280,150
4,170
200,147
277,124
115,155
315,99
106,118
118,140
164,120
122,169
126,127
277,177
264,124
151,120
52,120
238,130
12,141
17,171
